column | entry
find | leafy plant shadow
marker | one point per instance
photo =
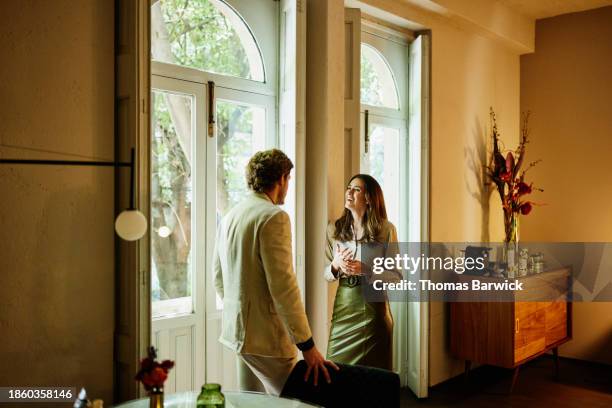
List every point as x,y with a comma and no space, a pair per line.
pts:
476,158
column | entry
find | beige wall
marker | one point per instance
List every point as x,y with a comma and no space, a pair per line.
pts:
567,84
469,74
56,235
324,107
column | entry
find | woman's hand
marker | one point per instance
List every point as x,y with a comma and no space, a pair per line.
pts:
341,258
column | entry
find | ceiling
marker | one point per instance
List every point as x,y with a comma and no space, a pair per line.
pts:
548,8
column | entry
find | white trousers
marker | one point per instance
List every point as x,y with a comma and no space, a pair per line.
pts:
264,374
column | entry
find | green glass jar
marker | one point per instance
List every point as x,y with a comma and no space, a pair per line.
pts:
211,397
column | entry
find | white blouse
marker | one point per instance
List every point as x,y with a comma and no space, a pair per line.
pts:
387,235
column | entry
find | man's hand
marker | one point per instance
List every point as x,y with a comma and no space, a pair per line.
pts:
315,362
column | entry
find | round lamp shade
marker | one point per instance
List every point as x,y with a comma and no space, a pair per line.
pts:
131,225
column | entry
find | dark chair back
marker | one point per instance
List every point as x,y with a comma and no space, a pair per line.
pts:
352,386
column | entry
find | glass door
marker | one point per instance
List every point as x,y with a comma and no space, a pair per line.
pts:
242,121
384,158
384,118
177,228
384,149
244,124
196,178
254,53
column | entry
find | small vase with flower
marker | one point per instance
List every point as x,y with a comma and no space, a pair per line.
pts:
152,375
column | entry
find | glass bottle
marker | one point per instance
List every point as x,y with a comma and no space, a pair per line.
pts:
211,397
523,261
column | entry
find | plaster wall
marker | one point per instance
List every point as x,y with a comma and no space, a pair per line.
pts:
566,84
56,234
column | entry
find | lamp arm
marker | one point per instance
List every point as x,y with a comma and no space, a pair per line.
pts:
132,158
129,164
131,224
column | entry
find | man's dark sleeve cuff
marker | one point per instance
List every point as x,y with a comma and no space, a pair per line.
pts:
307,345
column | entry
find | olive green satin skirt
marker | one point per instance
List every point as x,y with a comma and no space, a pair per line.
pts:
361,332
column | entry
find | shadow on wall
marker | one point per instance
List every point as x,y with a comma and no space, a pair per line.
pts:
476,158
602,351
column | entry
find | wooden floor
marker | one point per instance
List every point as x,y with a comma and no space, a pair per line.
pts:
580,384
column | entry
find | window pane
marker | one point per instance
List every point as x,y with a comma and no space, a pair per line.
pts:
384,155
378,87
240,133
204,34
171,199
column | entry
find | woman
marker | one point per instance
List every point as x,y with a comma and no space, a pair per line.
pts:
361,331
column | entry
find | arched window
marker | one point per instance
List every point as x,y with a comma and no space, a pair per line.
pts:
208,35
383,101
378,87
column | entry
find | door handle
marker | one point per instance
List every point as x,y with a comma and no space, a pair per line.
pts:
211,109
516,326
367,131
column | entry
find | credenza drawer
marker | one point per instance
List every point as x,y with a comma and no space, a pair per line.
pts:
556,322
529,329
537,325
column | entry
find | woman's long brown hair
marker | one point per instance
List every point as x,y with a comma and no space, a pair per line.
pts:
375,215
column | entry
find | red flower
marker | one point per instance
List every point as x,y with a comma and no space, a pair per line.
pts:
505,176
523,188
147,364
526,208
153,374
167,365
509,162
154,378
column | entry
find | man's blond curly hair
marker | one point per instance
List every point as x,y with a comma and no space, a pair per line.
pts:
265,168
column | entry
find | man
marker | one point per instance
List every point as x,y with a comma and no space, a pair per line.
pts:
263,315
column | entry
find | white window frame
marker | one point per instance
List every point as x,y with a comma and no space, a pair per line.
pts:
287,95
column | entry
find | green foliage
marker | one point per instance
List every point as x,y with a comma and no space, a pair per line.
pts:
170,201
170,167
370,83
235,146
201,37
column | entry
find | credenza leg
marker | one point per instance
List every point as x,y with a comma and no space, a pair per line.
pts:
556,357
468,365
514,378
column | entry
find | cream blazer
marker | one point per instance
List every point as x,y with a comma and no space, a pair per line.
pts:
263,313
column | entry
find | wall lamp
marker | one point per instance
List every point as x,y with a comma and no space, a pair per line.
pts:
131,224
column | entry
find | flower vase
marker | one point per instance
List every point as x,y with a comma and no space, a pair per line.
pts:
511,249
156,398
511,226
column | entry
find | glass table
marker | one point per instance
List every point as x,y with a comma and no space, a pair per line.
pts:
233,399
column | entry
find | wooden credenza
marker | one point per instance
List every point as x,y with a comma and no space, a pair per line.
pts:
508,334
